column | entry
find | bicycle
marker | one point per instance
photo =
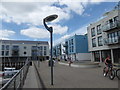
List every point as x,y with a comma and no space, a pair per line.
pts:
116,67
110,72
118,73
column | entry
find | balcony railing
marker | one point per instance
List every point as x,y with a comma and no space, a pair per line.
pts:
111,26
110,41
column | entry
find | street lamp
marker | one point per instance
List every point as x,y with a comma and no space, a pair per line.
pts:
50,29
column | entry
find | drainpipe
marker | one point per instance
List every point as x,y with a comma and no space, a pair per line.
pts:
112,58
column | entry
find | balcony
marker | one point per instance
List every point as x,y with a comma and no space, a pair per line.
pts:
34,47
65,45
111,26
111,41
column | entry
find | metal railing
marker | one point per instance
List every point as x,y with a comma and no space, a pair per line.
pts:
110,26
17,81
108,41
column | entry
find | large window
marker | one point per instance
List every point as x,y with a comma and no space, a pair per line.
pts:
93,42
113,37
99,29
93,32
100,43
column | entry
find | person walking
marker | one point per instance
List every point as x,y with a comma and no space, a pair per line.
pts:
70,61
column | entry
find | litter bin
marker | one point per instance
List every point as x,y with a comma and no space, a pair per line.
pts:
50,63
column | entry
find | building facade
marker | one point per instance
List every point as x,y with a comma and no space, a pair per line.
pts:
104,37
75,47
23,49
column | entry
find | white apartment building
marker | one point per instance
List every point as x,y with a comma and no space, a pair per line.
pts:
104,37
23,49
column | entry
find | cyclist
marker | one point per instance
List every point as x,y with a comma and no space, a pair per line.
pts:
108,63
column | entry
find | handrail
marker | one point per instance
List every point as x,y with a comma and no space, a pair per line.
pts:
14,77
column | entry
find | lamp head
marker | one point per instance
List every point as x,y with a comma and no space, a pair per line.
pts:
50,18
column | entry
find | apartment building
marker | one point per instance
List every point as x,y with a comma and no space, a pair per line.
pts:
75,47
23,49
104,37
59,51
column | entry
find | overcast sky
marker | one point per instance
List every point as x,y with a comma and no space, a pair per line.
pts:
23,20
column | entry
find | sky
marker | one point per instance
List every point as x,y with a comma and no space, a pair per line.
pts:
23,20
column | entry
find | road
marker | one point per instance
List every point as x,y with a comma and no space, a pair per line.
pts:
74,77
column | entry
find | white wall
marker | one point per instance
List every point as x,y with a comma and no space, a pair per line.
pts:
83,56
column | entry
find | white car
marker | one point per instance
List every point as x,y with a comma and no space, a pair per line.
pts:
10,71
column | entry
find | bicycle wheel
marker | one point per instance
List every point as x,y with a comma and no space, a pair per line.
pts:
118,73
111,74
104,72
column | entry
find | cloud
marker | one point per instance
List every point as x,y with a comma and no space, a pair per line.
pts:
32,13
76,7
80,31
59,0
5,34
34,32
57,29
62,39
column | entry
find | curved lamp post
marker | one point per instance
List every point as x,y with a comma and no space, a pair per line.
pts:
50,29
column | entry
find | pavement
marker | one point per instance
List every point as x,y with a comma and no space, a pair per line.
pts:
67,77
31,79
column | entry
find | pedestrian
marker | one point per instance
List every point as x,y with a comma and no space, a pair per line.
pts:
70,61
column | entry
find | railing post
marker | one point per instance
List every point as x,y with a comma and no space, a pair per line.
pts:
20,79
15,84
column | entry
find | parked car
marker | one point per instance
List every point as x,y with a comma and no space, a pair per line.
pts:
9,71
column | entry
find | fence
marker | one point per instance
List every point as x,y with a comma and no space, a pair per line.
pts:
17,81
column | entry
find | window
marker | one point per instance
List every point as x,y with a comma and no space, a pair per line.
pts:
41,53
72,49
25,47
69,42
7,53
99,29
45,48
72,41
93,32
45,53
100,41
113,37
7,47
41,48
2,53
3,47
34,47
93,42
15,47
25,52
